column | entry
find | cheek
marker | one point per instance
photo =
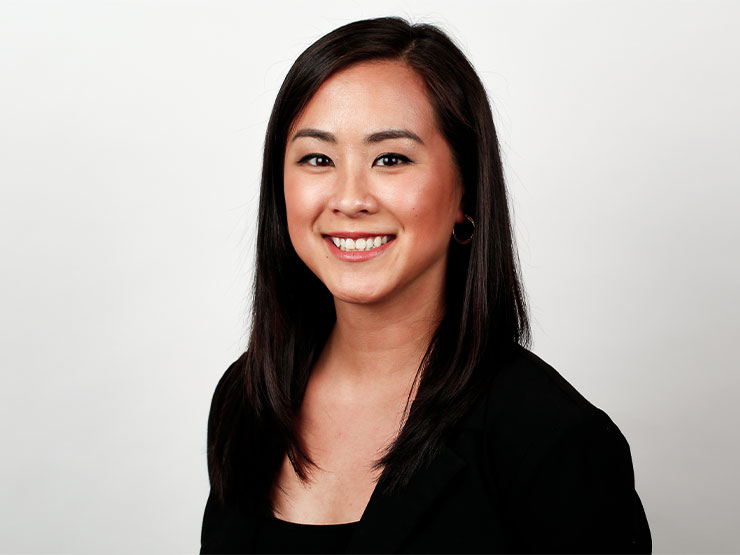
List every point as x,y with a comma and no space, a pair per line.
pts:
296,210
304,202
432,206
299,200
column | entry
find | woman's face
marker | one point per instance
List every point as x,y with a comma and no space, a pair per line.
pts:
371,188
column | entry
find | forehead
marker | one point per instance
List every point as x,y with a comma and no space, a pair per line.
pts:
377,94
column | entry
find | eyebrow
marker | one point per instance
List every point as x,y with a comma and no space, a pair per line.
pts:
373,138
314,134
392,134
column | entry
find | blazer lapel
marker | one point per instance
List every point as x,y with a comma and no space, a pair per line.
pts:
388,520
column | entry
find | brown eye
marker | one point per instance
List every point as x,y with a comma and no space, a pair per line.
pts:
318,160
389,160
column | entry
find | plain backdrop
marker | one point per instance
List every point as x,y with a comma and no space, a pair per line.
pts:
130,144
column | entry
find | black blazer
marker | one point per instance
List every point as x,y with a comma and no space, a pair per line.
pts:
532,467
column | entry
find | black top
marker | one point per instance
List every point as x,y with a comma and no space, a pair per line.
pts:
532,468
278,536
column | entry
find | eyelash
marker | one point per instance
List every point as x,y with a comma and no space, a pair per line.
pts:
401,159
308,158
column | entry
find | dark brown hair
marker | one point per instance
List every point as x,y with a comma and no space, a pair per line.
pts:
252,424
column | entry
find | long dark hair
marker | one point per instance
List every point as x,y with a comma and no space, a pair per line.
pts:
252,424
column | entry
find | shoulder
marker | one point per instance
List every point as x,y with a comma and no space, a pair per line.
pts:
530,411
529,406
528,382
562,466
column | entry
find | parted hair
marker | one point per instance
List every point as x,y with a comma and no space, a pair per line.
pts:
252,423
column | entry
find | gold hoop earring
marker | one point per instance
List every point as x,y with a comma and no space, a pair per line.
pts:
466,238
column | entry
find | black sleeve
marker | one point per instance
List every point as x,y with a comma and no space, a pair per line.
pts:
226,529
578,493
207,533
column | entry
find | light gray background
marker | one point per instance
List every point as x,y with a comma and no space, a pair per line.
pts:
130,144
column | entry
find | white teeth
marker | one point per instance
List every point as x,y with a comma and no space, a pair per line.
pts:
364,244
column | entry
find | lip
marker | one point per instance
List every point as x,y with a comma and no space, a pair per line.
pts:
357,256
358,234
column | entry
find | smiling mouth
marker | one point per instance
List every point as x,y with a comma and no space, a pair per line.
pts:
369,243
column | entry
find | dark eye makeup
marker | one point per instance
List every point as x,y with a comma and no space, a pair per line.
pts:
387,160
391,159
315,159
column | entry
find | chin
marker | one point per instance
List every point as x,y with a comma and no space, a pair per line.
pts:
356,298
356,295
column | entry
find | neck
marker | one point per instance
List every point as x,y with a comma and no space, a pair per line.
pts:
382,340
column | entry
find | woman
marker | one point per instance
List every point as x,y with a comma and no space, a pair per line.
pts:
385,402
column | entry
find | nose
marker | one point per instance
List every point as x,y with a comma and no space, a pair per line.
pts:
352,195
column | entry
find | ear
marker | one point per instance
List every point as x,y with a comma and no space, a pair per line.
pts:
460,215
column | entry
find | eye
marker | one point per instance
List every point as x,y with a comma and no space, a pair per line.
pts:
391,159
318,160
